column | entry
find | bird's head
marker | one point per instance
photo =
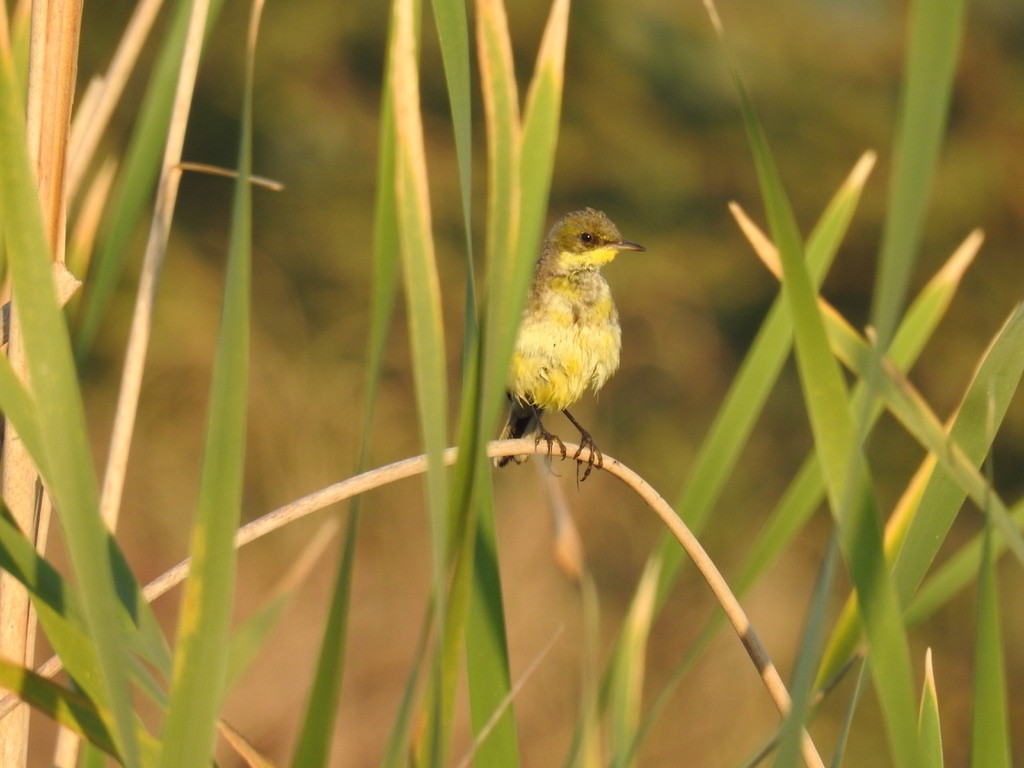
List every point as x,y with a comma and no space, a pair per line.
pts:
586,239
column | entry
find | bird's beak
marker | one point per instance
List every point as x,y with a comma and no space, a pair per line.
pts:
626,245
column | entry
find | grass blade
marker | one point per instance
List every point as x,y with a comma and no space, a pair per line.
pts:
62,421
486,641
476,613
423,291
134,185
735,420
953,575
935,28
453,34
321,710
506,286
928,724
942,495
57,603
70,709
990,734
397,753
627,685
535,159
985,404
488,667
426,331
314,744
807,658
200,669
758,373
836,441
804,494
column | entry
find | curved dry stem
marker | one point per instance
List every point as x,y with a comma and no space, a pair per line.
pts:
376,478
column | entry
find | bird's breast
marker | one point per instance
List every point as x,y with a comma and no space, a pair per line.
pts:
568,342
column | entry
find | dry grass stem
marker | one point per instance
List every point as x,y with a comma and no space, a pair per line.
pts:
216,170
506,702
565,537
52,71
156,247
90,213
105,93
417,465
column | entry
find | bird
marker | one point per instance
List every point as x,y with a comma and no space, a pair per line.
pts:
569,335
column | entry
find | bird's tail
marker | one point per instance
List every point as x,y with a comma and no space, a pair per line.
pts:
522,420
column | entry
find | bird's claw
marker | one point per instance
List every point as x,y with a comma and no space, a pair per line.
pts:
550,439
595,459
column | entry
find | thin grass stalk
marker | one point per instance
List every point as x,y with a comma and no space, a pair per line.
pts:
152,265
90,124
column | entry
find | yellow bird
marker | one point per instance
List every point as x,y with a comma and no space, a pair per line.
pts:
569,336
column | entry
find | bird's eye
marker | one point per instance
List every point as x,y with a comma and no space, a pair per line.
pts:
587,238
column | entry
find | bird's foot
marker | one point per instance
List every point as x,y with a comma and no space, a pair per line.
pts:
594,459
550,439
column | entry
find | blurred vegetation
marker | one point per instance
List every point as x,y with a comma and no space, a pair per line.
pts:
651,134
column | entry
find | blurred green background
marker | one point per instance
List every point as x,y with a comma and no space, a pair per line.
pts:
651,134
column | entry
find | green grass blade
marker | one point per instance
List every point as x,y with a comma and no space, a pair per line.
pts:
990,733
851,708
62,420
19,408
201,662
469,497
928,723
426,331
627,683
397,753
509,267
914,413
733,424
58,605
506,286
321,709
535,159
758,373
836,441
60,610
472,523
423,291
250,636
988,397
70,709
802,686
476,612
489,669
804,494
936,27
139,169
956,573
453,34
314,744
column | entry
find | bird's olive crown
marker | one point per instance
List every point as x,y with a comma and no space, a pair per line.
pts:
584,230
